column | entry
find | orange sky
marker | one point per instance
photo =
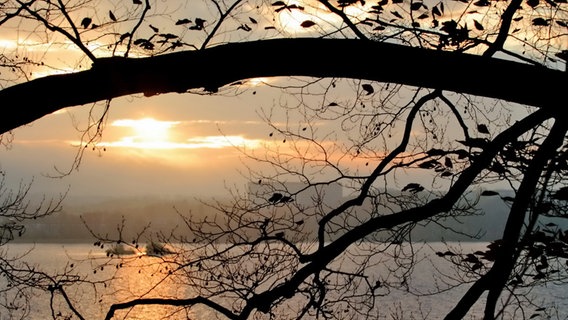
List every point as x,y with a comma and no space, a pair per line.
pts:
172,144
165,145
186,147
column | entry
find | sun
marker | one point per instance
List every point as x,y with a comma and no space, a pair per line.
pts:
147,133
157,136
149,129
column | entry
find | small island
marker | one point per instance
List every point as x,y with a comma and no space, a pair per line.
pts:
153,249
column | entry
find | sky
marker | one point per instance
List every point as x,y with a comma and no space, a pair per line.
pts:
171,144
166,145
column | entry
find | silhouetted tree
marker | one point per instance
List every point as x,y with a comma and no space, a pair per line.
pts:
21,279
469,92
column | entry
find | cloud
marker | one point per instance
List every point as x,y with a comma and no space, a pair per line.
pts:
207,142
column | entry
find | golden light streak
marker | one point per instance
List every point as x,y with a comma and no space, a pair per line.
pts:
147,130
207,142
151,134
254,82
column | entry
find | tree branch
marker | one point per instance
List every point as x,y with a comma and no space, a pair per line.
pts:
364,192
170,302
506,257
319,259
221,65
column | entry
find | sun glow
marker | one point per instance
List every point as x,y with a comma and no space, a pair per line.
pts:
291,20
255,82
305,16
149,133
152,134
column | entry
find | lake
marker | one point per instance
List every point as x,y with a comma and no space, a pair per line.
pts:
137,276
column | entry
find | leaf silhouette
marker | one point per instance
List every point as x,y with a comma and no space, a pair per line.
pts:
481,3
275,197
137,1
368,88
278,3
436,152
478,25
533,3
199,24
413,187
252,20
86,22
182,21
462,154
482,128
245,27
415,6
168,36
307,24
111,15
489,193
540,22
396,14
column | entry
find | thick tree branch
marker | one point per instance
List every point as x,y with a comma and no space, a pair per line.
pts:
221,65
517,216
497,277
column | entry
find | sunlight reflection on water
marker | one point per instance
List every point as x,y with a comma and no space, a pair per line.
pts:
147,277
134,277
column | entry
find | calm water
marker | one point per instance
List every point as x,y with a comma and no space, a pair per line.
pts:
135,279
